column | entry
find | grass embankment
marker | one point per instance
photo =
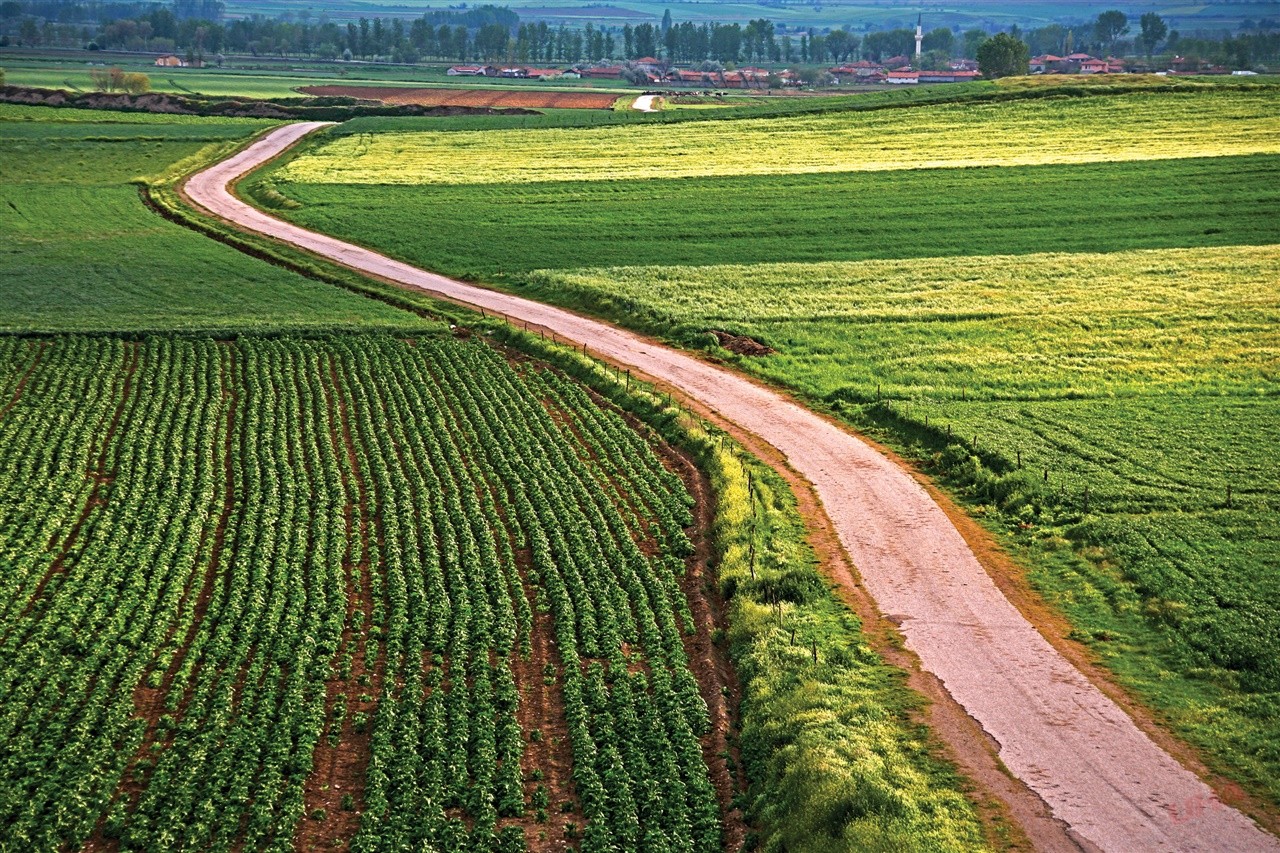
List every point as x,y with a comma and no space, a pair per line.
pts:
83,252
1145,378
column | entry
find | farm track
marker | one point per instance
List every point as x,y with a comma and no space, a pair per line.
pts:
1056,731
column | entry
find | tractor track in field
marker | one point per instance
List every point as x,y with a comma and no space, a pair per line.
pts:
1106,782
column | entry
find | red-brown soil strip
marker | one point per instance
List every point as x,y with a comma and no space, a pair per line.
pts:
522,98
340,770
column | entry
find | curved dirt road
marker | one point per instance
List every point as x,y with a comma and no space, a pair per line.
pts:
644,104
1057,732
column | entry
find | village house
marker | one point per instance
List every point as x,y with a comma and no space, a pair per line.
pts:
472,71
1047,63
603,72
902,78
947,76
861,68
170,61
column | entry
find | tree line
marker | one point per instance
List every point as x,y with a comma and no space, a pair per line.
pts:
496,34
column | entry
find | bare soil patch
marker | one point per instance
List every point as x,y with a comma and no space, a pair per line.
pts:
741,344
526,99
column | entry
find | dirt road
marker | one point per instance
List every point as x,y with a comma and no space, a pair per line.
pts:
1057,732
644,104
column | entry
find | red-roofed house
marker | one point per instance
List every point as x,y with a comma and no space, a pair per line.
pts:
1094,66
948,76
861,68
900,78
606,72
1046,63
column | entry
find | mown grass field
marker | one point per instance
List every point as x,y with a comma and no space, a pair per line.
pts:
79,250
1097,302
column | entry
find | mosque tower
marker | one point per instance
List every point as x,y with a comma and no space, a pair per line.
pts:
919,36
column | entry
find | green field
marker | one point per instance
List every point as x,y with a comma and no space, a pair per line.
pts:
515,228
81,251
1086,350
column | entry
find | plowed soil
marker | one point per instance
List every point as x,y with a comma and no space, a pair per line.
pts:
530,99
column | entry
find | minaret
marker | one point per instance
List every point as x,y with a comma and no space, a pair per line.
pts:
919,36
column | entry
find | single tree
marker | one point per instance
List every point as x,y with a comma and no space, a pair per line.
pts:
1003,56
1154,30
1109,26
940,39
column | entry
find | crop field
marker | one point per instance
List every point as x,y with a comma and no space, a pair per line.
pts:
265,78
1079,335
285,593
82,252
1031,132
347,596
533,99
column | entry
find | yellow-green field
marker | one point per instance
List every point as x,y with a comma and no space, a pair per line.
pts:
1028,326
1042,131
